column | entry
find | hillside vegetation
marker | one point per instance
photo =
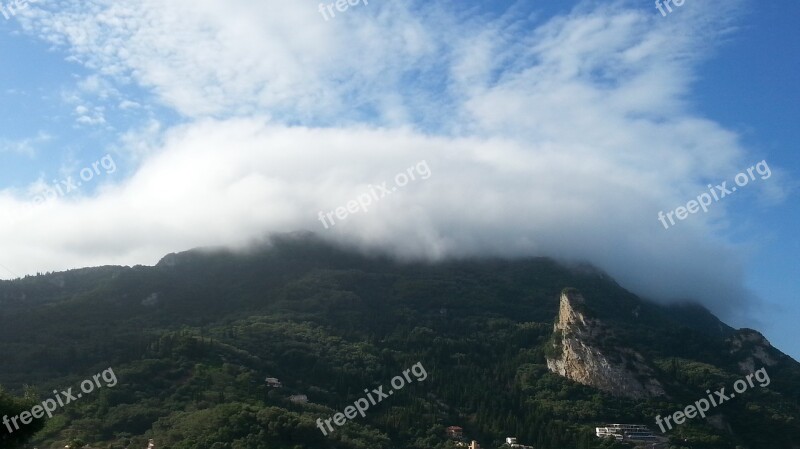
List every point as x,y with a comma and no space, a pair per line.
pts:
192,340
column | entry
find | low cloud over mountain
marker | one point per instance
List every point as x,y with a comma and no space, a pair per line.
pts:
560,136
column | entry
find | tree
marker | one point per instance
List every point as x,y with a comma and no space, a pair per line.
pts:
11,407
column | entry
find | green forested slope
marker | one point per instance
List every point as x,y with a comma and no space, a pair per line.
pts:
193,338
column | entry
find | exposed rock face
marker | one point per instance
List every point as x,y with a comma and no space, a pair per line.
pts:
752,347
619,371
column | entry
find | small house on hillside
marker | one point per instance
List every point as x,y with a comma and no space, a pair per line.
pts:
299,399
512,441
273,382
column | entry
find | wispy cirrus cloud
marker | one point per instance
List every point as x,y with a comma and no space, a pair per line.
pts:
27,146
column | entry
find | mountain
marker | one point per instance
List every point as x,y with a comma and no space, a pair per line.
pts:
528,348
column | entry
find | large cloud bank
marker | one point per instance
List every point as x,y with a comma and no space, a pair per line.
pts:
560,137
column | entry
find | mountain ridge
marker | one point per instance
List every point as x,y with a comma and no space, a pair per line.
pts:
191,336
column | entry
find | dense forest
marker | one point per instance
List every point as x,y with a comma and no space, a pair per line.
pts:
193,339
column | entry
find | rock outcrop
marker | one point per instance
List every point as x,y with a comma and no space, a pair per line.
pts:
577,354
753,349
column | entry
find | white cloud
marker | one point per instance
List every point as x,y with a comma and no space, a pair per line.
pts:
27,146
562,138
98,86
239,57
127,104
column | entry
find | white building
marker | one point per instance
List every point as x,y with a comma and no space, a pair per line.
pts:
623,432
299,398
512,441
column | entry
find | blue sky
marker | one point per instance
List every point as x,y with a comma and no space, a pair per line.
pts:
751,86
551,129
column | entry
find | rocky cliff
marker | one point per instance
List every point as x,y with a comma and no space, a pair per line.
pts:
577,354
753,350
